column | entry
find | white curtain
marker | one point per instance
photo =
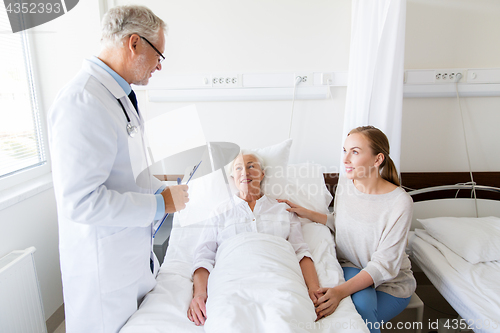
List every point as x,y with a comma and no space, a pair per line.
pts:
376,69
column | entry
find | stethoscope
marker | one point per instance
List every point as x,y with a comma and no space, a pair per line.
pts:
131,129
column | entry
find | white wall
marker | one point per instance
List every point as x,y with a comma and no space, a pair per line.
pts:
451,34
254,36
290,36
433,139
260,37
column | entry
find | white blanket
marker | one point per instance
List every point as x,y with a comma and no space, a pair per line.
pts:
482,285
272,298
257,285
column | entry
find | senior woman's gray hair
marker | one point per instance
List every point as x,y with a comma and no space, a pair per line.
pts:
247,152
122,21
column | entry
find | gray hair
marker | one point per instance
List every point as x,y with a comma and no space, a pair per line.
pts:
246,152
123,21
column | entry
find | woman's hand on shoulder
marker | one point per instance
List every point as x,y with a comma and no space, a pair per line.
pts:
197,311
304,212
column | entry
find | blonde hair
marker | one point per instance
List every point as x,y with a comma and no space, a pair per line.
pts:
379,144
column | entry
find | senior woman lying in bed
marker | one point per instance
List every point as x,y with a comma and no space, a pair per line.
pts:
266,236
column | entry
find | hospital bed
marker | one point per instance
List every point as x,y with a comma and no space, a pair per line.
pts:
164,308
460,253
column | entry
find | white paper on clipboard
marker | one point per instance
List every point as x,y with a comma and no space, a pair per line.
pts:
205,194
189,173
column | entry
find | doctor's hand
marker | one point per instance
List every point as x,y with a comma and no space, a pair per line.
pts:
175,198
197,311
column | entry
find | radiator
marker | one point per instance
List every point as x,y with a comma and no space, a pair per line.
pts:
21,308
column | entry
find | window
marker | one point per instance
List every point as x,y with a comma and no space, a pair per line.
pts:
21,142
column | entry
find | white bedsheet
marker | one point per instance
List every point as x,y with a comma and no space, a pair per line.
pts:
264,292
472,289
164,308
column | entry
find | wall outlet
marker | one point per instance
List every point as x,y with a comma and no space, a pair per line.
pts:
449,75
326,79
306,79
226,80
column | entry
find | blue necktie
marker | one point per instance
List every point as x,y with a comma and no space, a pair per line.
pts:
133,99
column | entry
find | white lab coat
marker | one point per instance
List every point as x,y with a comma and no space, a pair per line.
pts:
105,218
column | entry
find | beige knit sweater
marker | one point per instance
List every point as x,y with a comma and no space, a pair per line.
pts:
371,232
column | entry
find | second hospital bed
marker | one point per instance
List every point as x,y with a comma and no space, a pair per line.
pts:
460,254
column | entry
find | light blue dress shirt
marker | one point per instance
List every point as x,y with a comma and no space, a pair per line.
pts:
160,204
121,81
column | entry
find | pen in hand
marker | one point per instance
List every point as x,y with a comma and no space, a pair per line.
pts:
166,215
179,181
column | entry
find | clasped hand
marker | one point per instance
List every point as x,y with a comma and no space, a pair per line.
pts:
326,300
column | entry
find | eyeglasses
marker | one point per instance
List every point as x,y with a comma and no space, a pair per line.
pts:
154,48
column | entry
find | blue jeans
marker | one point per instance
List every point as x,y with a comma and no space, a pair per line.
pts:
375,306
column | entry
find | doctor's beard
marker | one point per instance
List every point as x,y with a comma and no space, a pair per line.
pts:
141,71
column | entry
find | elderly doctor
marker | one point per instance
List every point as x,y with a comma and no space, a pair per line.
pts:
97,146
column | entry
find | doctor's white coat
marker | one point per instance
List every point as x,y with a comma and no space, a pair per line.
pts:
105,218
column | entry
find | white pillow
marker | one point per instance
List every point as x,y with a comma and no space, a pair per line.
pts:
474,239
307,187
303,184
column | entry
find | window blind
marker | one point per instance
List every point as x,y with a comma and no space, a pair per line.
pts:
21,144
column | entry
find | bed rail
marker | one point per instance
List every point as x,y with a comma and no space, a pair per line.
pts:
455,187
425,186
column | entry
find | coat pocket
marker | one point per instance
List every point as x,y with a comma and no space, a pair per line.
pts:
123,258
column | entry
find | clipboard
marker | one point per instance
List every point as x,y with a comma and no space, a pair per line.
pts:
179,181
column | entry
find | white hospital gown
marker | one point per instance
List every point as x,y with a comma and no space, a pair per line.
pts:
268,217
